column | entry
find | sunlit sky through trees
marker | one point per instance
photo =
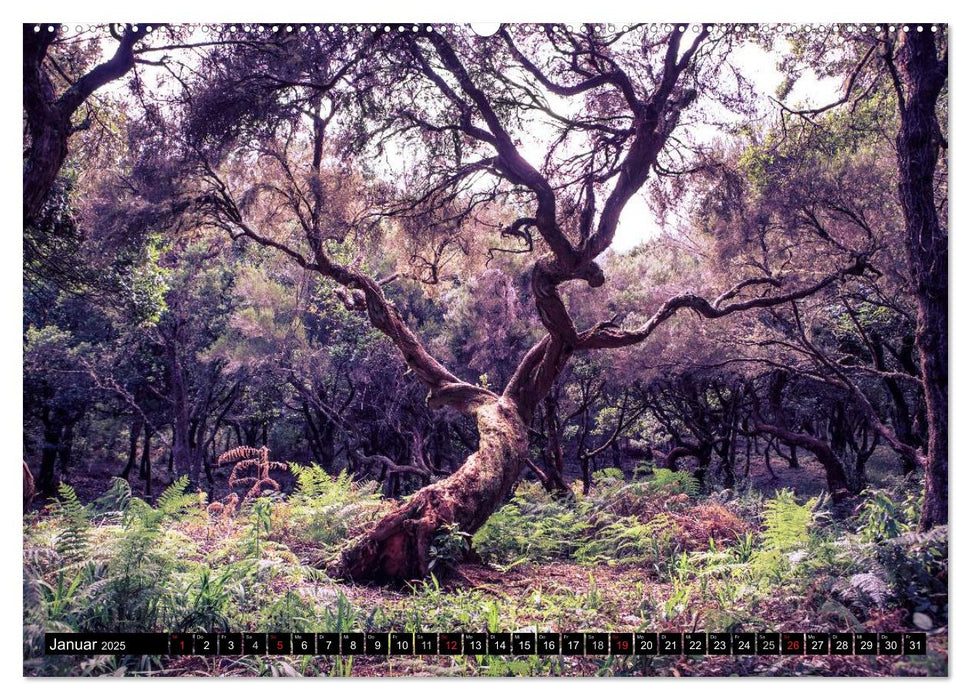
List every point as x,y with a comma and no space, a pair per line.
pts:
640,220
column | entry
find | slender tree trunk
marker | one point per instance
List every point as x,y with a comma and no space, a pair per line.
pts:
53,429
146,463
903,423
789,454
181,447
146,469
793,457
704,462
585,474
134,433
313,436
768,460
66,448
183,457
551,483
727,456
918,146
748,456
863,455
554,446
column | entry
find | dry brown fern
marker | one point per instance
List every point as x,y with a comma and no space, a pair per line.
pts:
238,453
257,459
709,521
225,509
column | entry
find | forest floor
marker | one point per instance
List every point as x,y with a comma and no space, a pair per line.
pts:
654,554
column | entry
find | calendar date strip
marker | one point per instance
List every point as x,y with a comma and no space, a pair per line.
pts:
490,644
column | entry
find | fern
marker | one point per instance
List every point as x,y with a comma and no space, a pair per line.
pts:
787,522
170,505
329,509
533,526
315,483
916,566
115,501
874,586
137,579
256,460
208,601
672,482
174,499
625,540
238,453
74,540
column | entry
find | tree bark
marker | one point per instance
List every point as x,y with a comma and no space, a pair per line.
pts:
66,448
185,459
554,445
48,116
919,143
145,469
397,547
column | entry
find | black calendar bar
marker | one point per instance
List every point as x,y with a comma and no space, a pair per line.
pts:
492,644
97,644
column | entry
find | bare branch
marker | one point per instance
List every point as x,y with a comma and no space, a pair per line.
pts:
609,336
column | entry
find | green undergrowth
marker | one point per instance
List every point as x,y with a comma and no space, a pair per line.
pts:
619,522
648,554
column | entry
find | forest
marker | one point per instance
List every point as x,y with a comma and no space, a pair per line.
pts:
334,328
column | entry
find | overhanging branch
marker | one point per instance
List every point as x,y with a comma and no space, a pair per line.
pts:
610,336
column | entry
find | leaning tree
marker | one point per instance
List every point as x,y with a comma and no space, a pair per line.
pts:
61,74
562,127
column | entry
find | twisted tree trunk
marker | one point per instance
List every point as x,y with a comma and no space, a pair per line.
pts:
397,547
48,116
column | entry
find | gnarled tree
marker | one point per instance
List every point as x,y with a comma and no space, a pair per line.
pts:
464,112
53,96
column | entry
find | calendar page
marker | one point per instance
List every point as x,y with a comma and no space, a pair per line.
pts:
461,350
